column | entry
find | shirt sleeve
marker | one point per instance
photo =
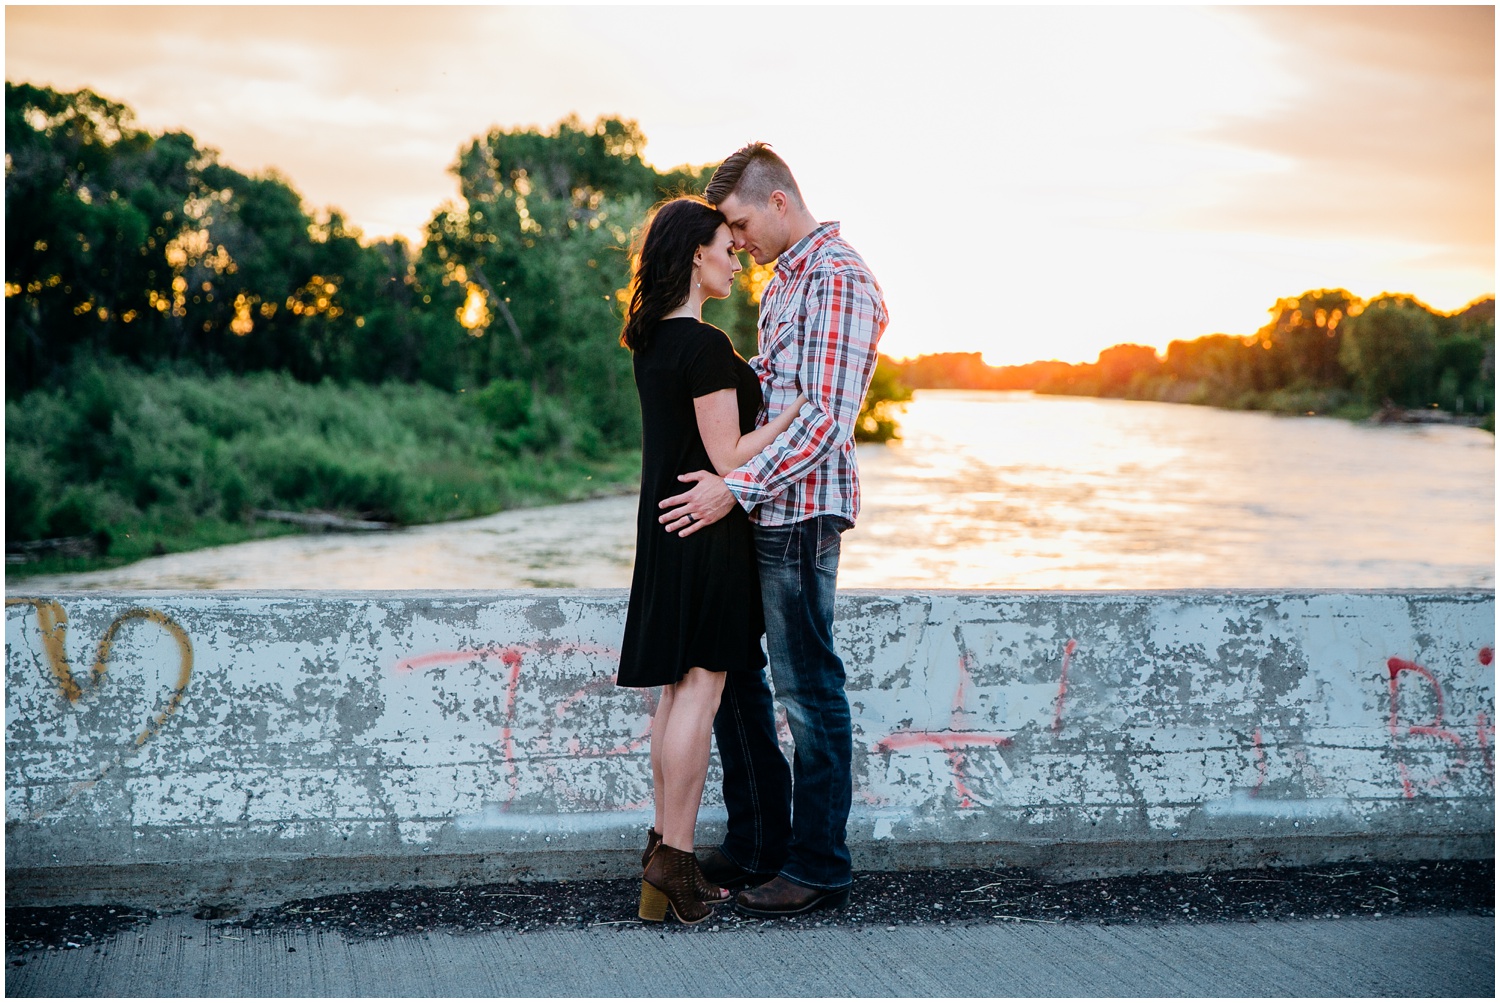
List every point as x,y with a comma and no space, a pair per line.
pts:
845,318
709,365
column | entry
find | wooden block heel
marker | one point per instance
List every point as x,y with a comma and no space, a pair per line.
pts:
653,907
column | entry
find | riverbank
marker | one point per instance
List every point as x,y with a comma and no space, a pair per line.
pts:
126,465
579,544
1322,403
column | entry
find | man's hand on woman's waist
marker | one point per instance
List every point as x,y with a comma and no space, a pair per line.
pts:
704,504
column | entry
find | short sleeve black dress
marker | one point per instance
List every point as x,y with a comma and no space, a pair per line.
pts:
694,601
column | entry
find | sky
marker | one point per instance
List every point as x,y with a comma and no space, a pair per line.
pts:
1029,182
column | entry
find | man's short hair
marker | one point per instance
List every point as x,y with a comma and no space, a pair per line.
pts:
752,172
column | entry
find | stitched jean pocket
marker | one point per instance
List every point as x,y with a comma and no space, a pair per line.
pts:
830,534
776,546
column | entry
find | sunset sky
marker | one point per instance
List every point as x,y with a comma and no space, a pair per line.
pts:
1028,182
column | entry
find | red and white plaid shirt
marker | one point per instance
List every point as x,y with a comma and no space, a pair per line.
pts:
821,317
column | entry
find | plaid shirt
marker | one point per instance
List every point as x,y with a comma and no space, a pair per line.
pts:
821,317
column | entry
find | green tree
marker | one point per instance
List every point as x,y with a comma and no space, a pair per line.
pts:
877,415
1305,334
1388,348
522,281
1465,360
72,268
146,248
1123,367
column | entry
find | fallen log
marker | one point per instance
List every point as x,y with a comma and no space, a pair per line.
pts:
25,551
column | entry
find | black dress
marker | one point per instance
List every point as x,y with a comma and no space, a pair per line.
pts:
694,601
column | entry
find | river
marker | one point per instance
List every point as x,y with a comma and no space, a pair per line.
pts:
998,490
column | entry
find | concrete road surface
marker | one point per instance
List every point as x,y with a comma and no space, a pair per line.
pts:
1450,955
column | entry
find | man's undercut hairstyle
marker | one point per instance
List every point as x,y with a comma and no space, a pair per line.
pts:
752,173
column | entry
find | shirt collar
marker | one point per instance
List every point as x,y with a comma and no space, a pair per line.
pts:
795,257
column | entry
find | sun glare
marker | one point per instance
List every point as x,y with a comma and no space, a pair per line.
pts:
475,312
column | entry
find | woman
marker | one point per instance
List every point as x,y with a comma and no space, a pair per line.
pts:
695,609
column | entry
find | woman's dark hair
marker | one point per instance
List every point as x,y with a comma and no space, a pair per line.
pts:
664,264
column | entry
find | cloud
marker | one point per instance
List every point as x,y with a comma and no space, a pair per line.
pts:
363,108
1390,132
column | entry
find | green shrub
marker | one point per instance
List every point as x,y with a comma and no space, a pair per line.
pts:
178,460
505,404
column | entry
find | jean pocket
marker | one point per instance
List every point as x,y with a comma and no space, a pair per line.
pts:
775,546
830,534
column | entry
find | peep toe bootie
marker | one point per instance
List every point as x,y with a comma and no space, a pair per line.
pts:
671,882
707,890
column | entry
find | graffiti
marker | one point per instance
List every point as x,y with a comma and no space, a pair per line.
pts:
1486,736
954,740
510,657
1483,727
513,658
1396,668
1260,765
1062,684
1296,766
330,716
52,622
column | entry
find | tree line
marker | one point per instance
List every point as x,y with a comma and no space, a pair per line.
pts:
1324,352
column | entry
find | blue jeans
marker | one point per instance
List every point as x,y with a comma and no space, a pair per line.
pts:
779,820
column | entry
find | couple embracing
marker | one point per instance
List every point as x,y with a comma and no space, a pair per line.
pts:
752,546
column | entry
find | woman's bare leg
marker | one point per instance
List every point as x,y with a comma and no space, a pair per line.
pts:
682,749
658,729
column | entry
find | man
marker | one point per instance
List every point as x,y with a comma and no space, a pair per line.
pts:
821,317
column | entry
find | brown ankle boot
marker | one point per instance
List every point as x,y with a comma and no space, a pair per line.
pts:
671,879
707,890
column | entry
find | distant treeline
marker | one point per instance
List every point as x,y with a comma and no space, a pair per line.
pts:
151,292
1325,352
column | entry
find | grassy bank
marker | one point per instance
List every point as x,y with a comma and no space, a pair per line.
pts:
161,462
1333,402
1323,401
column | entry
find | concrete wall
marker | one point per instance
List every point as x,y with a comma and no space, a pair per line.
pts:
165,748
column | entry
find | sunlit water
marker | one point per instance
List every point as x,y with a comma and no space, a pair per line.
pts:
1009,490
1000,490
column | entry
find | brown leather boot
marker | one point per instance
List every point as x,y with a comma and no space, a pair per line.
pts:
653,840
781,897
671,879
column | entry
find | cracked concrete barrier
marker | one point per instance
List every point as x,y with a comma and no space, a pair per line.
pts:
164,749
